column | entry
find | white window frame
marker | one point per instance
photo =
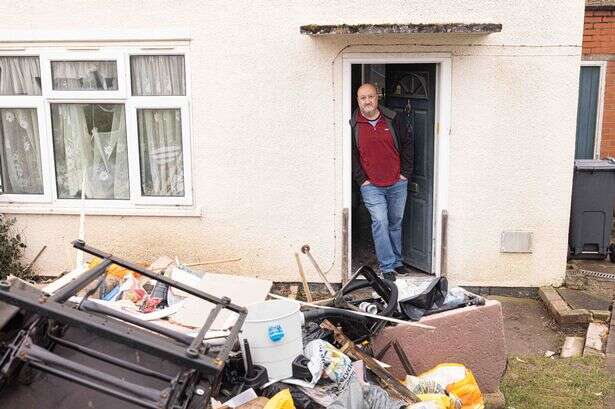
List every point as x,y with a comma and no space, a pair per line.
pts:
47,81
133,143
137,204
600,103
33,102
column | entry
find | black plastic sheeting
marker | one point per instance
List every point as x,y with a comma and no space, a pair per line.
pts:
431,299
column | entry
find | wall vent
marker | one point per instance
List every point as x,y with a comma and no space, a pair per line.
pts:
516,242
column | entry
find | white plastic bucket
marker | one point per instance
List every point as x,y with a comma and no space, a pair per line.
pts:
273,330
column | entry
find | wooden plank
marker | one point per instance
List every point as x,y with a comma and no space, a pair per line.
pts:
306,287
387,381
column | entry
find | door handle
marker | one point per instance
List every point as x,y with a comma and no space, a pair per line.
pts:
414,187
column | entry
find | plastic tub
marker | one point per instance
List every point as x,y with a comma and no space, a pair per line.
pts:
273,330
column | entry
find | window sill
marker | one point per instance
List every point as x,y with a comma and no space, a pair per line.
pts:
159,211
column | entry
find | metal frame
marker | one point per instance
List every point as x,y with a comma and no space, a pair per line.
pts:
202,363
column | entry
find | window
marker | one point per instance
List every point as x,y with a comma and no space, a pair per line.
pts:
90,152
109,126
21,153
158,75
160,152
20,76
84,75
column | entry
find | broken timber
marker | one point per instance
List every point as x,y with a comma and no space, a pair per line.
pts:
387,380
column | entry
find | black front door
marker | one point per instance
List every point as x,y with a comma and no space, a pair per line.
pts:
410,90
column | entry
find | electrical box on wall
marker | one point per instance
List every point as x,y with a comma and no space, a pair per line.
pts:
516,242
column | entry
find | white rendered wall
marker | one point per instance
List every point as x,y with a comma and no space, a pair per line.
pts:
267,129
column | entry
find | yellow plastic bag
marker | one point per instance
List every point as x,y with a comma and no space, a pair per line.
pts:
458,380
114,270
281,400
435,401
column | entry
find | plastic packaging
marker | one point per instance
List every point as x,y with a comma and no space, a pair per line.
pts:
114,270
281,400
325,357
432,401
374,397
301,399
459,381
420,386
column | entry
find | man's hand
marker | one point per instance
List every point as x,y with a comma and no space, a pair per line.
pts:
402,177
367,182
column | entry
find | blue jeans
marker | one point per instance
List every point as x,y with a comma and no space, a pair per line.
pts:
386,206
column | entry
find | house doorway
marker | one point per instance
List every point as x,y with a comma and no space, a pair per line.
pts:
409,89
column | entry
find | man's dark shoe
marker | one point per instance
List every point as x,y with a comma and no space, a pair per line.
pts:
401,270
389,275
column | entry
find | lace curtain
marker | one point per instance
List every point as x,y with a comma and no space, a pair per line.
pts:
21,155
158,75
20,76
84,75
90,138
160,150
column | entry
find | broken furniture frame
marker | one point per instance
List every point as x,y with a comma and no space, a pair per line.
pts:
359,328
51,315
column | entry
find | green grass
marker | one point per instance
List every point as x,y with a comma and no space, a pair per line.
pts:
545,383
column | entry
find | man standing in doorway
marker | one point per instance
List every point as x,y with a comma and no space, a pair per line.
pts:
382,156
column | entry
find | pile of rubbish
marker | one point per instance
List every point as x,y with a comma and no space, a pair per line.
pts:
258,350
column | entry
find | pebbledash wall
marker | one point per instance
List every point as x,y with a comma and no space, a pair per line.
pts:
599,45
267,129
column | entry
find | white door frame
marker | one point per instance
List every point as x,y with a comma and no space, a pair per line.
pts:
600,103
441,135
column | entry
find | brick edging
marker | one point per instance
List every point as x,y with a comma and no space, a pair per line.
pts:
559,309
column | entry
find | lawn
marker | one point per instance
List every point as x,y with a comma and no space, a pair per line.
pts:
546,383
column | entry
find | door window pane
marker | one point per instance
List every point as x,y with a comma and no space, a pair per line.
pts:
160,151
89,142
20,76
158,75
20,151
84,75
375,74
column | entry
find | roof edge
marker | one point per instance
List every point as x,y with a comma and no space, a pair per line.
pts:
409,28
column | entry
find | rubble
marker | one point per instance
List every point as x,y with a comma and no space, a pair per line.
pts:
246,353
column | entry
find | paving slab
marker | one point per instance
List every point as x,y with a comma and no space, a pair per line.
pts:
601,315
573,346
581,299
595,341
